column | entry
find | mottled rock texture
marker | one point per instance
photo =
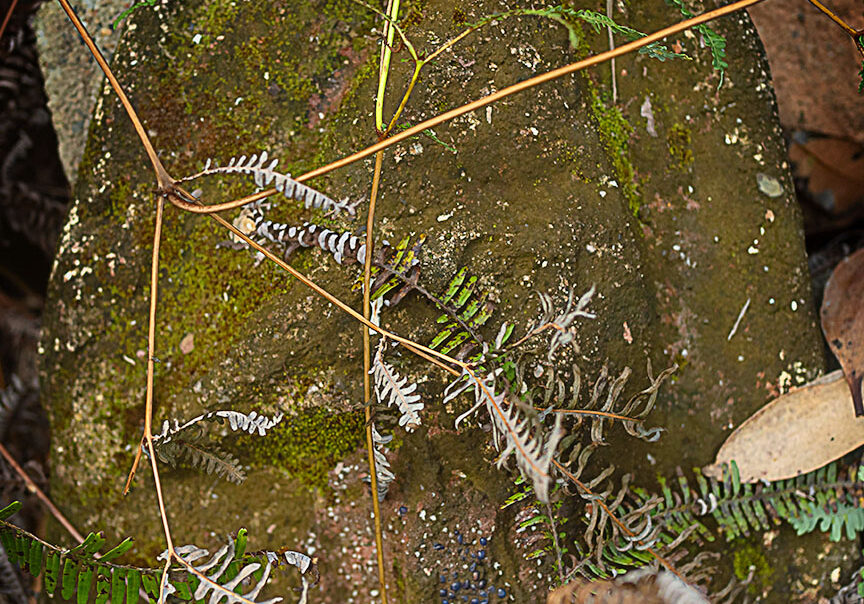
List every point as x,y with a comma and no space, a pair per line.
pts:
550,189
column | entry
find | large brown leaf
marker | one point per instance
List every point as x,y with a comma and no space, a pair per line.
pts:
795,433
843,321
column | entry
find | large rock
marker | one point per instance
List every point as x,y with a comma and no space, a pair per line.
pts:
547,190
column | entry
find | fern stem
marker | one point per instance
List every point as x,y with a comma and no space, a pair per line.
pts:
367,365
34,488
384,66
614,518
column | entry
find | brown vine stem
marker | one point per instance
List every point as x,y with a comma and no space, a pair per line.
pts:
7,18
596,413
614,518
367,365
834,17
34,488
486,100
163,179
433,356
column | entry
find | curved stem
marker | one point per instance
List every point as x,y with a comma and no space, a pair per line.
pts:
486,100
833,16
163,179
7,18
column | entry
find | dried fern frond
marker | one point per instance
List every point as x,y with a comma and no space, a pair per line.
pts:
518,434
265,175
250,423
395,390
564,320
210,459
383,474
219,575
178,442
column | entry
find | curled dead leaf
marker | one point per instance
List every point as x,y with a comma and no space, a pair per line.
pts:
843,321
795,433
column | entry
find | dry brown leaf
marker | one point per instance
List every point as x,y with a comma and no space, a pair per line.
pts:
843,321
834,169
795,433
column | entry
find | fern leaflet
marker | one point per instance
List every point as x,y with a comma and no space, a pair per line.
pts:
395,390
520,435
265,174
186,442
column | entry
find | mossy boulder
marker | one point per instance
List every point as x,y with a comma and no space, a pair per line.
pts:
653,198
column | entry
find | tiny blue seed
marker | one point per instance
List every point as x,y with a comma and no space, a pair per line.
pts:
502,593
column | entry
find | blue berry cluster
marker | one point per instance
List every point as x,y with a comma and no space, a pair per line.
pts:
467,581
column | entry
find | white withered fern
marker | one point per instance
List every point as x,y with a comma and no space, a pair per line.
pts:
265,175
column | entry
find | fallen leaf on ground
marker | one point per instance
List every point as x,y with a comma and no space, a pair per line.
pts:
795,433
834,169
843,321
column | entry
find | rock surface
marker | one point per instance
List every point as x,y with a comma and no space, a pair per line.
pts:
539,194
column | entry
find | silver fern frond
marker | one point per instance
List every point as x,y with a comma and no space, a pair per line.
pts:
395,390
265,175
212,581
237,421
518,435
383,474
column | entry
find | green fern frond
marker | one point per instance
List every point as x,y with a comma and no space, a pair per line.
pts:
465,310
73,570
714,41
83,575
825,499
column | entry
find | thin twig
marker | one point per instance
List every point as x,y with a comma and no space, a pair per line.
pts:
367,365
605,414
483,101
853,33
7,18
430,355
33,488
162,177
